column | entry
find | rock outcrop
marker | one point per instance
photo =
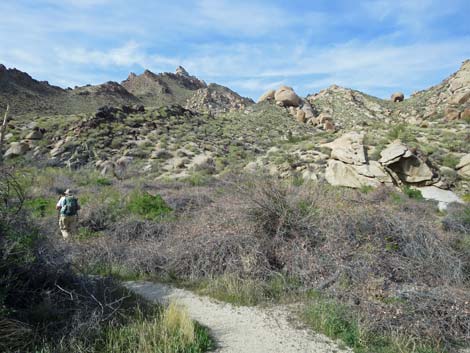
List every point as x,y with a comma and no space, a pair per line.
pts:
443,197
267,96
463,167
286,97
180,70
349,165
342,174
409,168
397,97
348,148
216,99
16,149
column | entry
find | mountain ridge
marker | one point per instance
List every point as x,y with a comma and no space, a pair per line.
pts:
27,95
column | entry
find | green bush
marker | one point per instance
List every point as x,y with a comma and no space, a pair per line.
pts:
401,132
103,181
147,206
339,321
412,193
40,206
450,161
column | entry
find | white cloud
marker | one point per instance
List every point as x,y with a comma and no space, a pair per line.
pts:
252,45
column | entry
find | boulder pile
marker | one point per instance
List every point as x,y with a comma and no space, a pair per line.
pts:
350,166
404,165
301,109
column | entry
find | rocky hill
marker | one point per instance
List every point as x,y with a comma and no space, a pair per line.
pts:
185,90
340,136
28,96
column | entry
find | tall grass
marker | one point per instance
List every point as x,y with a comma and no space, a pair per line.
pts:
170,331
338,321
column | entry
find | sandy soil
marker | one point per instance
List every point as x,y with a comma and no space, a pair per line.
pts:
241,329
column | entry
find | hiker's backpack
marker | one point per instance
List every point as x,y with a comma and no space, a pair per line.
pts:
70,206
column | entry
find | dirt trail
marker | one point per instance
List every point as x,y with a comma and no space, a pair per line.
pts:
240,329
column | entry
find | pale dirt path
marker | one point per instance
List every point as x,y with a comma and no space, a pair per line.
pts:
240,329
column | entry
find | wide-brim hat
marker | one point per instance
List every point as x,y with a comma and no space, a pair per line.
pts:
68,192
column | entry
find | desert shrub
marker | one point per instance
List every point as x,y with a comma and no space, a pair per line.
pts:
45,306
337,320
100,210
276,210
401,132
457,218
41,206
384,260
198,179
412,193
148,206
450,161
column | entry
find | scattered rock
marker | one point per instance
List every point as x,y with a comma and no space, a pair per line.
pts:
202,162
397,97
309,175
107,168
252,167
329,126
35,135
161,154
324,117
121,165
16,149
175,163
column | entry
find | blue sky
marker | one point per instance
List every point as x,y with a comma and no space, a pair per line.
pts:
250,46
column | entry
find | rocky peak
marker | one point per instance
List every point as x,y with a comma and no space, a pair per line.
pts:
180,70
2,68
148,73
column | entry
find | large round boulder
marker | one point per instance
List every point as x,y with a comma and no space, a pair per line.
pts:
287,97
267,96
397,97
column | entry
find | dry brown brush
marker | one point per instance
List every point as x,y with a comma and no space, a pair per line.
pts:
386,256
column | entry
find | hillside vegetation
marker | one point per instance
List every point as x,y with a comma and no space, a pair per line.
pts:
353,208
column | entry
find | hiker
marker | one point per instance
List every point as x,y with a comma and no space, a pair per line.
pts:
68,209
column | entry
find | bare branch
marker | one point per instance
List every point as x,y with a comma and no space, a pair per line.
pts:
3,129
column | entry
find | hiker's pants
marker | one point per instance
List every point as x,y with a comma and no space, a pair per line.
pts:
67,225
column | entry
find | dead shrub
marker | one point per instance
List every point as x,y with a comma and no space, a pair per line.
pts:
385,259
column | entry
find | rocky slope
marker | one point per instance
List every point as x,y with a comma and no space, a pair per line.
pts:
338,135
28,96
185,90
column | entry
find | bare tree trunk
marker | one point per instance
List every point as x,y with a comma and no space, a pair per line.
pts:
3,130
